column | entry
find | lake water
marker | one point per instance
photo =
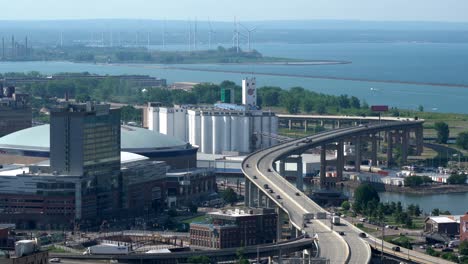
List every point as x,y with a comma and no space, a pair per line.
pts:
415,62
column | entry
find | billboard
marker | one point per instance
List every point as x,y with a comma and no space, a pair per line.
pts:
379,108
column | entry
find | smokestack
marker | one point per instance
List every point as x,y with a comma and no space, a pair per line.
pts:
12,46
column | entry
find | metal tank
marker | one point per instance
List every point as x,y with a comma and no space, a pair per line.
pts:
206,133
227,132
266,128
274,129
245,132
218,133
235,133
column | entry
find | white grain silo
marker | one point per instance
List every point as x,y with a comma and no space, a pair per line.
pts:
227,132
266,128
245,133
274,128
235,132
180,124
206,133
218,133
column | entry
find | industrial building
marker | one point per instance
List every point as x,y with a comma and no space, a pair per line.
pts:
15,111
88,179
220,128
235,228
464,227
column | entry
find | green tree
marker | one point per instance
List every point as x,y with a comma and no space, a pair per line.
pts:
199,259
421,108
435,212
456,178
364,194
413,181
462,140
346,205
229,195
442,132
463,248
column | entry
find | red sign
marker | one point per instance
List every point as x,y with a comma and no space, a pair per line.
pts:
379,108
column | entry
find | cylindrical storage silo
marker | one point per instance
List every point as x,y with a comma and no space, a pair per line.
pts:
191,126
206,133
227,133
266,123
217,134
245,132
197,128
274,129
235,133
179,129
257,130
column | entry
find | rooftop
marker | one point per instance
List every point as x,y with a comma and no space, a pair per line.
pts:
442,219
132,138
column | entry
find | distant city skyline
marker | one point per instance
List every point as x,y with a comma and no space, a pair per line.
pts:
226,10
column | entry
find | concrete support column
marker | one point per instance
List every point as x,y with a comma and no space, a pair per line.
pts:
321,123
299,175
257,204
358,154
404,146
247,193
419,140
282,167
290,124
305,126
374,150
338,123
340,160
323,164
389,147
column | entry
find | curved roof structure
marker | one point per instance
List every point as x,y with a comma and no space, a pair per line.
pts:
133,139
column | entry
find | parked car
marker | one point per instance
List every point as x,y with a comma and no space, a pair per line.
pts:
447,250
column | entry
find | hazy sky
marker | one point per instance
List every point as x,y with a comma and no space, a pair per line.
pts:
409,10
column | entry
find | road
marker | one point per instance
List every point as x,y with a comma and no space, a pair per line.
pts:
349,248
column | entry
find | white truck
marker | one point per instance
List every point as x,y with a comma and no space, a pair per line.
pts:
25,247
107,249
336,220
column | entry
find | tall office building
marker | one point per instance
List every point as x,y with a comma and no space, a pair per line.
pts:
85,141
15,111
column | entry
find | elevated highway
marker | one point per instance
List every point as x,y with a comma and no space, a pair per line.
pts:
266,187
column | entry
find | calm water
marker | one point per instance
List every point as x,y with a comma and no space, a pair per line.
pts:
440,63
456,203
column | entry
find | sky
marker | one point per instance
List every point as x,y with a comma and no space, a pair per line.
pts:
226,10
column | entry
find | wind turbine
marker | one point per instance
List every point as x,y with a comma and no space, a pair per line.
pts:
210,34
249,32
235,38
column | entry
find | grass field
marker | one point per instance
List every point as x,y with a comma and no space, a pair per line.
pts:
200,218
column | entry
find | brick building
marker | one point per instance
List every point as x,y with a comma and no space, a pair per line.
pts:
464,227
235,228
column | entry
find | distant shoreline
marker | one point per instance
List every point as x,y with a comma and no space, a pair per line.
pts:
424,190
324,77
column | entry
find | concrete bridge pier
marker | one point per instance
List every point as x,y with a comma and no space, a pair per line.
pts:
247,197
340,161
323,165
374,150
404,145
419,140
389,147
358,153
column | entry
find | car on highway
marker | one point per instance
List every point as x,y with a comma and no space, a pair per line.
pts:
255,177
55,260
298,194
278,196
270,191
363,235
265,186
396,249
247,165
341,233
